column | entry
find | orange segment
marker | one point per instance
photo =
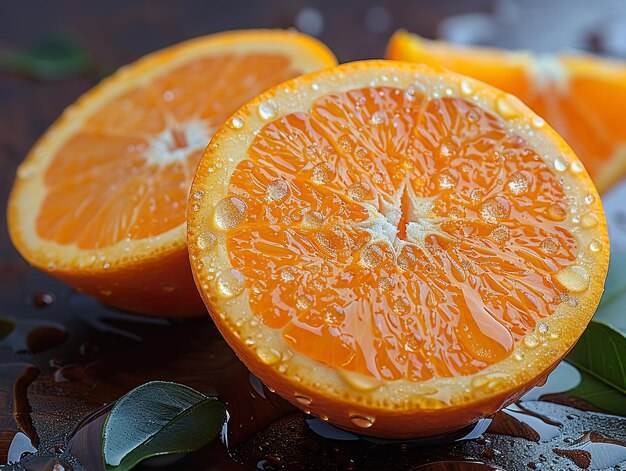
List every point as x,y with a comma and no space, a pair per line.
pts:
106,188
582,96
393,252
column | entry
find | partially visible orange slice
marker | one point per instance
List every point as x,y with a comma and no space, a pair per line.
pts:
100,200
397,249
581,96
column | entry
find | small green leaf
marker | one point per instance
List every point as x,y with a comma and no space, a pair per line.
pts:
600,355
6,327
159,418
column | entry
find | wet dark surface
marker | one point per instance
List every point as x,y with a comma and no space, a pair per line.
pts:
67,358
56,401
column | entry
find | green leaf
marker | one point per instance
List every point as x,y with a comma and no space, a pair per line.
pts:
600,355
600,395
159,418
6,327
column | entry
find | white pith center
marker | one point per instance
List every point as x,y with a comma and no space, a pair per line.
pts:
386,216
547,72
174,143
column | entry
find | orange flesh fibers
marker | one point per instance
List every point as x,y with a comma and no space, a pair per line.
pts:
147,142
410,238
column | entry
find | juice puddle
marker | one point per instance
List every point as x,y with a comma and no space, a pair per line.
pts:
106,353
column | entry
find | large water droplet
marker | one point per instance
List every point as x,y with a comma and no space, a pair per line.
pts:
549,246
346,144
268,356
322,173
494,210
302,399
519,183
589,220
311,220
574,279
505,107
230,283
229,212
556,212
560,165
206,240
268,109
277,190
362,421
360,382
378,117
237,122
595,245
360,191
401,305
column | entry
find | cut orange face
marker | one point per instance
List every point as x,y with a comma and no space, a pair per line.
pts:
581,96
100,200
397,249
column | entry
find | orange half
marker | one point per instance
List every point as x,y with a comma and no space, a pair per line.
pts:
100,200
582,96
397,249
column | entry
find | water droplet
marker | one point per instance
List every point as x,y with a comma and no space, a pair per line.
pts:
237,122
360,382
589,220
346,144
505,107
446,180
589,199
477,195
494,210
322,173
378,117
556,212
500,234
303,302
531,340
577,167
519,356
268,109
311,220
466,88
549,246
560,165
25,171
519,183
401,305
168,288
198,195
360,191
543,328
595,245
472,116
229,212
362,421
206,240
106,265
230,283
574,279
371,256
303,399
276,191
268,356
385,284
445,150
538,122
